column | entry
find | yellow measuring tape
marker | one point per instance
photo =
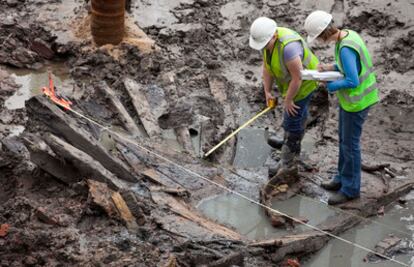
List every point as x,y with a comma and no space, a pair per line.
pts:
272,105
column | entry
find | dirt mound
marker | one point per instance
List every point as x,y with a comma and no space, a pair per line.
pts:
375,22
25,46
400,52
391,120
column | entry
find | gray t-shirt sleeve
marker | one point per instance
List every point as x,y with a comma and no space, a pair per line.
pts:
292,50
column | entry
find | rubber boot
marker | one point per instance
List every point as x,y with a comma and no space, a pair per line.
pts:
290,155
275,142
272,171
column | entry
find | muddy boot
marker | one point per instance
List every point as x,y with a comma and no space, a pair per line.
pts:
331,185
290,155
339,198
275,142
272,171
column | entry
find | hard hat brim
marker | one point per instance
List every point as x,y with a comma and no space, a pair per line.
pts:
258,45
310,39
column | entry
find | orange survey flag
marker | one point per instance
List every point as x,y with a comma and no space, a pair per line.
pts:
50,92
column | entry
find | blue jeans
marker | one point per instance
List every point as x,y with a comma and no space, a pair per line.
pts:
349,163
296,124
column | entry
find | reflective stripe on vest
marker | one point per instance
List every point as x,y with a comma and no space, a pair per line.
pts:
357,98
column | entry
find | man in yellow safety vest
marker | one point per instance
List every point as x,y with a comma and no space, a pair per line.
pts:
285,54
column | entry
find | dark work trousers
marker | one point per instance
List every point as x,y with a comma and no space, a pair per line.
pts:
296,124
349,163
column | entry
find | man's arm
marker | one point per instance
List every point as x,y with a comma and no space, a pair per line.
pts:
294,67
267,84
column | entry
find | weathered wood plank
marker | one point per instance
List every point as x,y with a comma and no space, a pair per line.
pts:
184,210
135,205
136,164
157,177
143,108
121,111
112,202
43,158
124,211
86,165
58,122
181,192
100,195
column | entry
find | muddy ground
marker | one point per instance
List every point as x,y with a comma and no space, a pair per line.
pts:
201,80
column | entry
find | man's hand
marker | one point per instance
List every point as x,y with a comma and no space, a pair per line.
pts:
290,107
267,85
269,97
326,67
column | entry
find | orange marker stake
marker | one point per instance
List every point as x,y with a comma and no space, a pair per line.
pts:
50,92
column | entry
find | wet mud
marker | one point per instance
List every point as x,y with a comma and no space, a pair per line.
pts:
182,79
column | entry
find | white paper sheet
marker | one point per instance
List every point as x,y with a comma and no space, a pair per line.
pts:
315,75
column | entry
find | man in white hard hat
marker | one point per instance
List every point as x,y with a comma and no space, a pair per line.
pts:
285,54
356,93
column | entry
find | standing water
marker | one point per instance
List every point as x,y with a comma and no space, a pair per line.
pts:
252,149
31,83
400,218
249,219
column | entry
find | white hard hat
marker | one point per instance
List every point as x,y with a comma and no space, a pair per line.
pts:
316,23
261,31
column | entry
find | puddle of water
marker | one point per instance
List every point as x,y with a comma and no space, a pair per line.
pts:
252,149
249,219
341,254
300,207
156,12
31,83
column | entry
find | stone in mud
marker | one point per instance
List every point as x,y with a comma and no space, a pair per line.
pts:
12,3
42,48
43,215
384,247
23,57
248,75
8,21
